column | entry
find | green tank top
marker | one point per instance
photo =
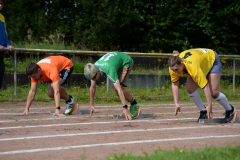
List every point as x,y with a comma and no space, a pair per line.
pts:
111,63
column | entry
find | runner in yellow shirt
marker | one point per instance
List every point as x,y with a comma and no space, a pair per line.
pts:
202,67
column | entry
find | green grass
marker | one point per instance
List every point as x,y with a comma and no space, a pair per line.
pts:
144,95
213,153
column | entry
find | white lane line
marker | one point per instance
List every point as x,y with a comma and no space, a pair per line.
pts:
90,123
17,113
189,112
111,132
113,144
63,118
159,105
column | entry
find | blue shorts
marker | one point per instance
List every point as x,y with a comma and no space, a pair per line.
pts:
216,65
65,74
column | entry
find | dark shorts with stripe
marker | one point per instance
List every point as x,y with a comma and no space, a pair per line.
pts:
65,74
124,73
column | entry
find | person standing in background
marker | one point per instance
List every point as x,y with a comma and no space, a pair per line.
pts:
3,42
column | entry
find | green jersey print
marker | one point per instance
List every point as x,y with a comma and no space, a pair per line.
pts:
112,62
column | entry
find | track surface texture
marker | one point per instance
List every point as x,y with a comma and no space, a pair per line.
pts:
42,136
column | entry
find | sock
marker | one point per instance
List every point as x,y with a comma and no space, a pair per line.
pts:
222,99
133,101
195,97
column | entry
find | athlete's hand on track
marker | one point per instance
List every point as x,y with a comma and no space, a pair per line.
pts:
24,113
209,112
177,109
92,109
127,114
59,113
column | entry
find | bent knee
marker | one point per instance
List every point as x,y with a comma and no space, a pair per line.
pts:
50,94
215,95
116,92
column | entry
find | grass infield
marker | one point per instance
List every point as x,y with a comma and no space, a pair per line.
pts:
143,95
213,153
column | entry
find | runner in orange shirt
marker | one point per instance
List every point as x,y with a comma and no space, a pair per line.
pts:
56,70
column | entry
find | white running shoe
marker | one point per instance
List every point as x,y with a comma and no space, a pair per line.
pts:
69,105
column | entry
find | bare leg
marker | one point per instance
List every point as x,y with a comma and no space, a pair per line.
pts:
192,86
127,95
214,82
63,92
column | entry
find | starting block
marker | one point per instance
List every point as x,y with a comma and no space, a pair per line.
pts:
140,115
218,120
75,111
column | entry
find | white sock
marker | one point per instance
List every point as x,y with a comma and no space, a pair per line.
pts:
222,99
195,97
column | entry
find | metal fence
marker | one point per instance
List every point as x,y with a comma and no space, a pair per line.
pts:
78,52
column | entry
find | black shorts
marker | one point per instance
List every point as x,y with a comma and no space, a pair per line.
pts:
65,74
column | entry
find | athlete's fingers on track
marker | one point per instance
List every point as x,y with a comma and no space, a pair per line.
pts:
60,115
22,114
91,112
177,110
129,117
121,114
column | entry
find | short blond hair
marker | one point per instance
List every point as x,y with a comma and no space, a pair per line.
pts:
90,70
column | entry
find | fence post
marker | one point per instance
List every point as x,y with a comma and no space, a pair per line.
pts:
107,85
15,73
233,75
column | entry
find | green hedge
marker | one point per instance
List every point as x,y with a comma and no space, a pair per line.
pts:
130,25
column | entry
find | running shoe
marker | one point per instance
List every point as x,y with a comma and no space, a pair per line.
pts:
134,110
230,115
69,105
203,115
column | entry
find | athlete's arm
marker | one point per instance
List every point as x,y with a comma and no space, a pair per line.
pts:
175,90
120,92
56,89
209,100
122,98
30,98
92,95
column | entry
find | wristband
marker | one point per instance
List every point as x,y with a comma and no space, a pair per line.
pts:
125,106
58,108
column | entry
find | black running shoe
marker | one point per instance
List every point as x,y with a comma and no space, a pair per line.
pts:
203,115
230,115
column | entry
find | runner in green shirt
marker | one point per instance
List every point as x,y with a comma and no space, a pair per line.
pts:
116,66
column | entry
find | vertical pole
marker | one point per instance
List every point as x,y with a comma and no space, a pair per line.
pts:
107,85
233,75
15,73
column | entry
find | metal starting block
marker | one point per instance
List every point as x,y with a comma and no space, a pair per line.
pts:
75,111
139,116
217,120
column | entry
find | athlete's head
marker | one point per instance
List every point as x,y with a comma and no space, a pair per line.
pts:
175,63
90,71
33,70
